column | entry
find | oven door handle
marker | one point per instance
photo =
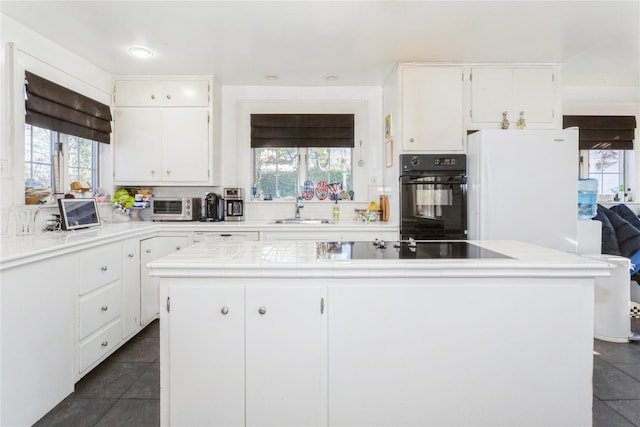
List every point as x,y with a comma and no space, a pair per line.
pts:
456,182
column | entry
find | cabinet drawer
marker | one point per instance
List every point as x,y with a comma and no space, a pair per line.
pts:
100,308
100,266
101,344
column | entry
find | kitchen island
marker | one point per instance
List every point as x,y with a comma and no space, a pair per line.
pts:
306,333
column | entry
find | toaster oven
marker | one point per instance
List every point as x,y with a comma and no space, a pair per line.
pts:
176,209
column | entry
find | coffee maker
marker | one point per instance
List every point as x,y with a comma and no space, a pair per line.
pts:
213,207
234,204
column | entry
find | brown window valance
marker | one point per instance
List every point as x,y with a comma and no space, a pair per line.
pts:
302,130
603,132
51,106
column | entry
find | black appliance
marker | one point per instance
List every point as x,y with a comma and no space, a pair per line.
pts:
213,207
433,196
420,250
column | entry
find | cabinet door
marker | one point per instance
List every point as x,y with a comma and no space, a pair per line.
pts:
185,145
496,90
432,109
137,93
151,250
534,93
137,146
185,93
491,95
130,287
283,356
206,356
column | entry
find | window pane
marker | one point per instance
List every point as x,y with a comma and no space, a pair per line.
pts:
607,166
276,171
38,143
332,165
82,160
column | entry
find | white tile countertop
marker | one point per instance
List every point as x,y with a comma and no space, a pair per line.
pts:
299,259
17,250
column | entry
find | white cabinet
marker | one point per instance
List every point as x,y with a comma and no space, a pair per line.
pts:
37,338
130,287
161,93
162,139
99,304
242,355
432,112
150,250
530,90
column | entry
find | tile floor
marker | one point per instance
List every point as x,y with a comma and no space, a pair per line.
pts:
125,389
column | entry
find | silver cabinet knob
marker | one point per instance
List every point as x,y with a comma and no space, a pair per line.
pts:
130,255
104,308
262,310
148,251
153,172
104,268
168,171
105,343
153,96
411,140
168,96
225,310
178,248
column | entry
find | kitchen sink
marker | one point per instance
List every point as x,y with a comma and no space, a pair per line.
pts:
302,221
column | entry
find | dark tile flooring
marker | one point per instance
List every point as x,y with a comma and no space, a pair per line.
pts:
125,389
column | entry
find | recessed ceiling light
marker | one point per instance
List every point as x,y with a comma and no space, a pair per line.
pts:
332,78
271,77
140,52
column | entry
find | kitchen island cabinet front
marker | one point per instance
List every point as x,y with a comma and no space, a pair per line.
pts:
447,342
242,353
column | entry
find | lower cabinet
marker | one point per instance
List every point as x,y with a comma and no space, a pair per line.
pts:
130,287
152,249
37,338
239,353
99,305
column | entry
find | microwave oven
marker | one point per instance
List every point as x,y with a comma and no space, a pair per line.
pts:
176,209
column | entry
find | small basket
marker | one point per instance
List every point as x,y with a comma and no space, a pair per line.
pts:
368,215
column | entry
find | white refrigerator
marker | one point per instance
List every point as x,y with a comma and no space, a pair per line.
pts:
522,185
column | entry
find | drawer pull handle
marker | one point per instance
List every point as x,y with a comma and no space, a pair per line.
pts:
104,268
105,343
262,310
104,308
225,310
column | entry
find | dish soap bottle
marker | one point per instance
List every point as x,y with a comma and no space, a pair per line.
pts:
336,212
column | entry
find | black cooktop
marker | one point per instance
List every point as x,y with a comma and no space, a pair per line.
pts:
418,249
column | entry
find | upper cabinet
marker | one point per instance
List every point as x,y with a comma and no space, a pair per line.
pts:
182,93
530,90
163,134
432,99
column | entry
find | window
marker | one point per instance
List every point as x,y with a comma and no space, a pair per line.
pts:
278,171
607,166
49,153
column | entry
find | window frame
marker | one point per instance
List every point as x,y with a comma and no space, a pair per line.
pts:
59,146
625,173
302,154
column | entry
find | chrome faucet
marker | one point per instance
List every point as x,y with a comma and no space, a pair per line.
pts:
299,205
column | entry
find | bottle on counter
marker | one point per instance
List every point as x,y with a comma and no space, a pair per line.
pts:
336,212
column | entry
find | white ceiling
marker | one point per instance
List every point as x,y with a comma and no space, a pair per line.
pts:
302,42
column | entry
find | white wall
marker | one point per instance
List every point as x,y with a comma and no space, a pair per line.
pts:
23,49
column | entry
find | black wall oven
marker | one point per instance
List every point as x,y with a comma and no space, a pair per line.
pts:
433,196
